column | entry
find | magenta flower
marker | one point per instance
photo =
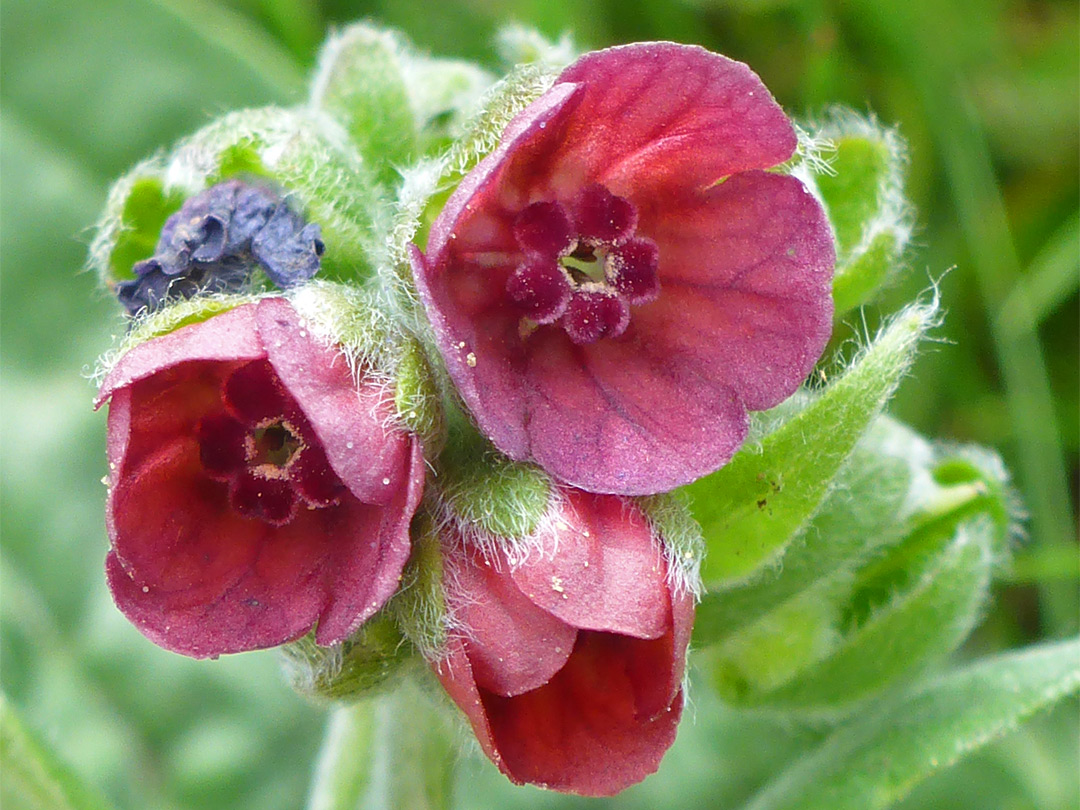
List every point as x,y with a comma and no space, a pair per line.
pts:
254,489
569,667
620,281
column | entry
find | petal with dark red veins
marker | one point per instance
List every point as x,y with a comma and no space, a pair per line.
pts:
584,731
746,273
612,418
600,568
513,645
660,116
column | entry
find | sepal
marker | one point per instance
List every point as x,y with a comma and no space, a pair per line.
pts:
348,671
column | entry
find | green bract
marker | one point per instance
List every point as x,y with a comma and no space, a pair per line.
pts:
861,185
891,574
752,508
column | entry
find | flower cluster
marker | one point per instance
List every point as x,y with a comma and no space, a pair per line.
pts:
609,292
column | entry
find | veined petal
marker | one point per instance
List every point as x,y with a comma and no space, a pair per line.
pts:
513,646
600,568
746,273
610,417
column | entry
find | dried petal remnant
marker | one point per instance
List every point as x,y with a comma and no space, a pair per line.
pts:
217,239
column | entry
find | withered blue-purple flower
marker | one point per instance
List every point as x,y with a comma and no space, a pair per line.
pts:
216,241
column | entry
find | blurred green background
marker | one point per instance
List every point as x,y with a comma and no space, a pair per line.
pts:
985,91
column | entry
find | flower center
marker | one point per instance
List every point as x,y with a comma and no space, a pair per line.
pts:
262,447
274,445
583,265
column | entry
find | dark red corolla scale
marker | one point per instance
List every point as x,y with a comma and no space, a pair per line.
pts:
255,490
569,666
622,280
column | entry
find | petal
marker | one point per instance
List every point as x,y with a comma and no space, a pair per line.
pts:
584,731
369,458
369,548
199,579
174,526
601,568
221,445
513,646
490,381
611,417
745,275
660,116
155,410
253,393
532,124
228,336
456,676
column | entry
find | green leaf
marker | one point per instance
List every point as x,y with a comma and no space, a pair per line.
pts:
863,191
891,574
145,210
34,777
877,758
858,280
861,513
750,509
856,637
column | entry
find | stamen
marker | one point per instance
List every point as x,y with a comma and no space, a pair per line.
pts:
273,444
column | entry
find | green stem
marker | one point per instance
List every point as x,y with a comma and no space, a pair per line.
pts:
393,751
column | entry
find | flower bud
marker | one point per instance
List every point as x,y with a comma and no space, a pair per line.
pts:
568,662
396,104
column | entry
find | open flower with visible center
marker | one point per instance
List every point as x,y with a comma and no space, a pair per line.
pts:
620,281
256,489
569,665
